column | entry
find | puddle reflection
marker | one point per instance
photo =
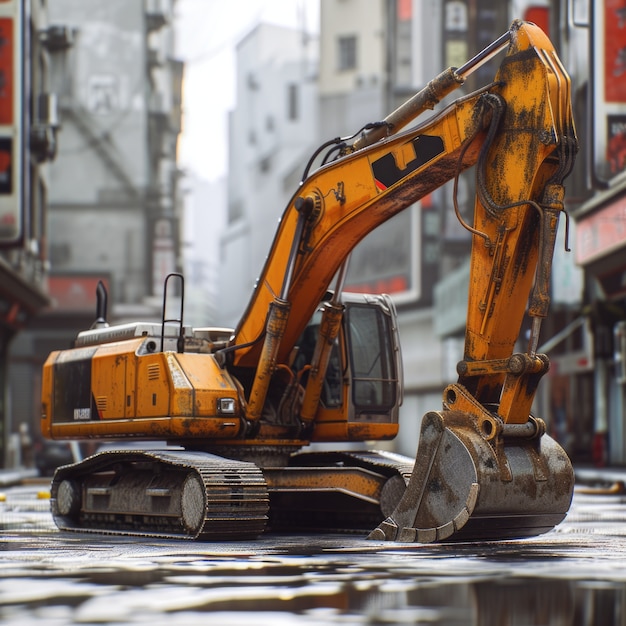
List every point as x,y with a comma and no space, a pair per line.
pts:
329,597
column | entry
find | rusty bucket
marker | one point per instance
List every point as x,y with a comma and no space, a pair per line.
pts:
472,483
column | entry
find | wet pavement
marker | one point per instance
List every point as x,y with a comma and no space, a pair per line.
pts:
576,574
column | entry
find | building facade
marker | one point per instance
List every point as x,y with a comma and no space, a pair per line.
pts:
114,206
373,56
598,35
28,142
272,132
114,181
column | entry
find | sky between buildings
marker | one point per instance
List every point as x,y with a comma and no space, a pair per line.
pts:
207,33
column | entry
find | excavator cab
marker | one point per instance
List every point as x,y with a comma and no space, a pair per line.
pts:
361,392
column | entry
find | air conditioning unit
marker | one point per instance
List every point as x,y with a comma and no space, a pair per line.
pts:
155,58
157,103
43,132
157,13
57,38
47,112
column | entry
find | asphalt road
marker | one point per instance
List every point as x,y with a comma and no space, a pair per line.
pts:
576,574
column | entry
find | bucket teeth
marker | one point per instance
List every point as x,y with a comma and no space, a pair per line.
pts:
389,530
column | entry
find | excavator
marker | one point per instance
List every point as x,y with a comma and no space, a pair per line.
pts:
234,414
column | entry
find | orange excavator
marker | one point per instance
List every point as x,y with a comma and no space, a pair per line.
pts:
234,411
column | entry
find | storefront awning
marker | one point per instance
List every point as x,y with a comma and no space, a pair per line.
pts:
19,299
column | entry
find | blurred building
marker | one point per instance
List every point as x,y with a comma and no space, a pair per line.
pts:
272,132
115,180
114,201
28,142
373,56
205,216
114,205
595,392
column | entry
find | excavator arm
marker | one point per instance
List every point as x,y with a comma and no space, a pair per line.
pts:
341,203
518,205
335,209
485,467
520,131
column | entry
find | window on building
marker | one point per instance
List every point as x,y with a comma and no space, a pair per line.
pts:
265,164
347,53
292,102
235,211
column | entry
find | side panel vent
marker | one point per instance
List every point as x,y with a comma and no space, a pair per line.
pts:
154,371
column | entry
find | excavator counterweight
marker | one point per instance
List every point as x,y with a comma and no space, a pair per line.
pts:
307,362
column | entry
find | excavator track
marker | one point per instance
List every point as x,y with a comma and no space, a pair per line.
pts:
161,493
198,495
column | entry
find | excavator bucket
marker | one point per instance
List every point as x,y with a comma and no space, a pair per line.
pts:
469,485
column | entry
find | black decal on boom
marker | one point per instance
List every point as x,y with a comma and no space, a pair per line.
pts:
386,170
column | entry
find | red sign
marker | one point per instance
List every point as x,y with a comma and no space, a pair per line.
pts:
614,50
602,232
75,293
539,15
405,9
6,71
